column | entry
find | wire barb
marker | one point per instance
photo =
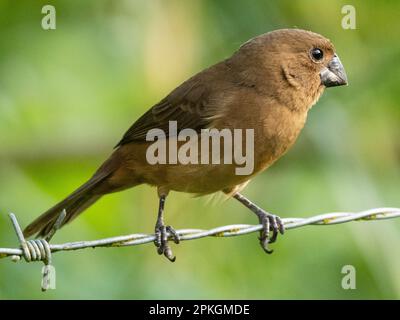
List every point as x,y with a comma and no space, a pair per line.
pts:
57,225
36,249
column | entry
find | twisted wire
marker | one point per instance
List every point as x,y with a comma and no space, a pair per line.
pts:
40,249
31,250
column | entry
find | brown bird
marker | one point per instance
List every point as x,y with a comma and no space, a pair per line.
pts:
268,85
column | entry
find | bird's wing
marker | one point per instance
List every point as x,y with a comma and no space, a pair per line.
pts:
189,105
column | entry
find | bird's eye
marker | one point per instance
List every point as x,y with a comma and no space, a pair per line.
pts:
317,54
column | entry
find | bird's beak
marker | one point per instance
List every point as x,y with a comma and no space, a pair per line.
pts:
334,75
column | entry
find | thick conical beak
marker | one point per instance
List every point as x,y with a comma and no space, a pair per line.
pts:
334,75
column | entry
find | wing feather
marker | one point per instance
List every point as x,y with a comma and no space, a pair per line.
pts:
190,105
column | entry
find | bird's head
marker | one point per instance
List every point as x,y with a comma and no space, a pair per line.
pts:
286,59
306,54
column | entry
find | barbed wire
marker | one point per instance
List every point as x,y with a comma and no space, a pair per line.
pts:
41,249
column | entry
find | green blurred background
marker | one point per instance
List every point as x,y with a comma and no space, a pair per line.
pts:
68,95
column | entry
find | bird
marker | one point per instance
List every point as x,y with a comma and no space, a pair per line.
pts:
268,85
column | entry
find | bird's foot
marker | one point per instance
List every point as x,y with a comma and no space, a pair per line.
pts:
270,223
161,241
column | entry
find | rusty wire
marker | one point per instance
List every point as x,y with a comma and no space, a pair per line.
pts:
41,250
224,231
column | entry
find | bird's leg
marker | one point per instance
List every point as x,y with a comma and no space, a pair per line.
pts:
162,231
269,222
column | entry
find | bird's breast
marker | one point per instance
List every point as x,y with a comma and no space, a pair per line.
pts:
277,134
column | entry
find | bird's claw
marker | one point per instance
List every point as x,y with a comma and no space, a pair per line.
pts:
161,241
270,223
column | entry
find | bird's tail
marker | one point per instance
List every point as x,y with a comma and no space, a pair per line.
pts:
74,204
